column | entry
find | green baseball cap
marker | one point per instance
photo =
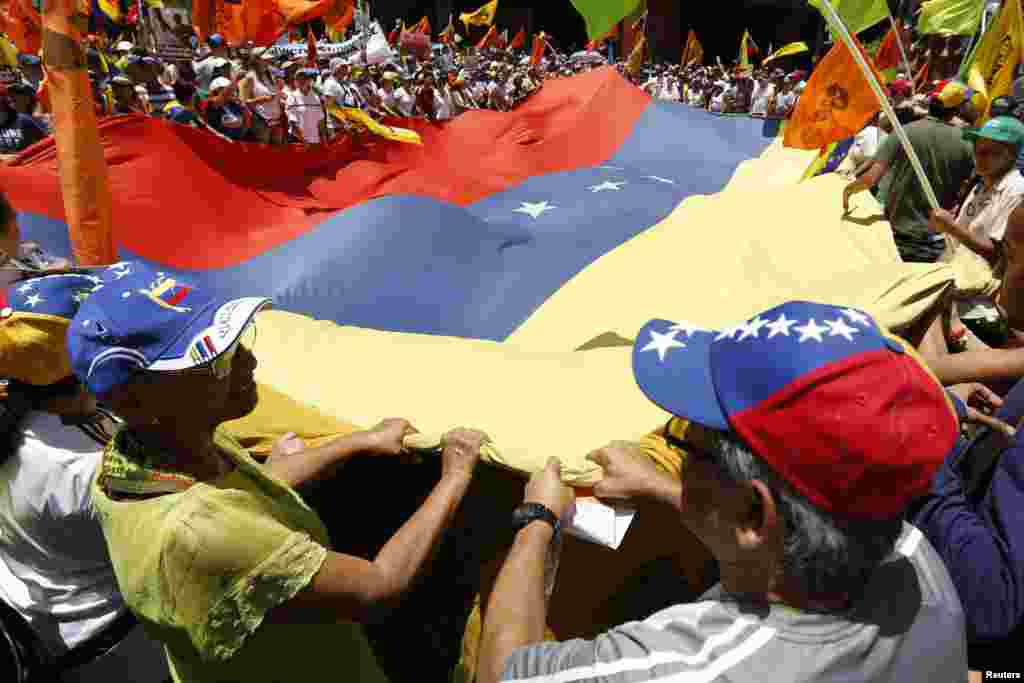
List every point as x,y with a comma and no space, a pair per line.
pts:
1001,129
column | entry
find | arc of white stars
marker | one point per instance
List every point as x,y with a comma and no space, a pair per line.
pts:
34,299
27,287
857,317
662,342
752,328
534,209
667,181
729,333
611,168
607,185
839,328
811,330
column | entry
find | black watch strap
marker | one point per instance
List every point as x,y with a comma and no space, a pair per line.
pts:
531,512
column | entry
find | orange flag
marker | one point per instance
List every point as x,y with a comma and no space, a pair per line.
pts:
837,103
519,40
537,53
489,39
84,178
921,79
262,21
424,26
22,24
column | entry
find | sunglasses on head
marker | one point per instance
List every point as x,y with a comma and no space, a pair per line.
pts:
675,435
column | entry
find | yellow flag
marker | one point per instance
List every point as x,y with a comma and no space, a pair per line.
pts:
361,118
636,57
994,62
8,53
858,15
787,50
745,50
482,17
959,17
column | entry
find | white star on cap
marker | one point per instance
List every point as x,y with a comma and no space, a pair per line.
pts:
752,328
857,317
662,342
667,181
811,330
839,328
607,185
534,209
33,300
688,328
27,287
780,325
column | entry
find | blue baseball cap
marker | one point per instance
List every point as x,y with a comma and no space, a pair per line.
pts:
216,40
143,319
841,410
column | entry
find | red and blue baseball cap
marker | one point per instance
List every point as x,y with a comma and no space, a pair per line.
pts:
143,319
844,412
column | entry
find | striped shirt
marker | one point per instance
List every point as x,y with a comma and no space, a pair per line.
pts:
908,627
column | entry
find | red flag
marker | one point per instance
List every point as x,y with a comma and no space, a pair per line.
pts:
23,25
424,26
489,39
537,53
310,47
519,40
502,41
837,103
889,51
393,37
921,79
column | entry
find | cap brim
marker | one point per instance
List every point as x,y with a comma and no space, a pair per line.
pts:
209,335
671,365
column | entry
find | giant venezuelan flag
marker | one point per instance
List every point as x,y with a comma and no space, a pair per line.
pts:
464,236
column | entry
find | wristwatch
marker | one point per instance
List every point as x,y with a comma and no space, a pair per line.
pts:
531,512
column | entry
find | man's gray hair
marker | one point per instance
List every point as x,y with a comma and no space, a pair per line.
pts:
820,554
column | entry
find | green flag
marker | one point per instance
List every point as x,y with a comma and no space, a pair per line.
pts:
958,17
601,15
857,15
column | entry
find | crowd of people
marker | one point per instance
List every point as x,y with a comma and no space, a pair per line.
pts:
253,94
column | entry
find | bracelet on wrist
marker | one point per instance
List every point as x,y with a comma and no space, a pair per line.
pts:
527,513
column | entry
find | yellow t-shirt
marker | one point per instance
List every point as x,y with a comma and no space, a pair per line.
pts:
200,568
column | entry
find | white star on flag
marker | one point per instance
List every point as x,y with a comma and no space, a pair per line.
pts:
839,328
659,179
27,287
857,317
780,325
811,330
662,343
534,209
33,300
607,185
729,333
688,328
752,328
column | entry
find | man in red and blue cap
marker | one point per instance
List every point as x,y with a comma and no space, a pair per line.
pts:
807,432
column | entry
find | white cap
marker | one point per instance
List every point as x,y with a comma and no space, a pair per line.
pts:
218,62
124,46
219,83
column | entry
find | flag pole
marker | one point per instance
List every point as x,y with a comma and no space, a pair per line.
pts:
899,42
843,34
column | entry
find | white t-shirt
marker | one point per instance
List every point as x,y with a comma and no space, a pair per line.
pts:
270,111
305,113
54,565
866,144
763,94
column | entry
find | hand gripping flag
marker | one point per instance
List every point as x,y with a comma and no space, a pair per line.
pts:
945,17
837,103
601,16
992,66
482,17
858,15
